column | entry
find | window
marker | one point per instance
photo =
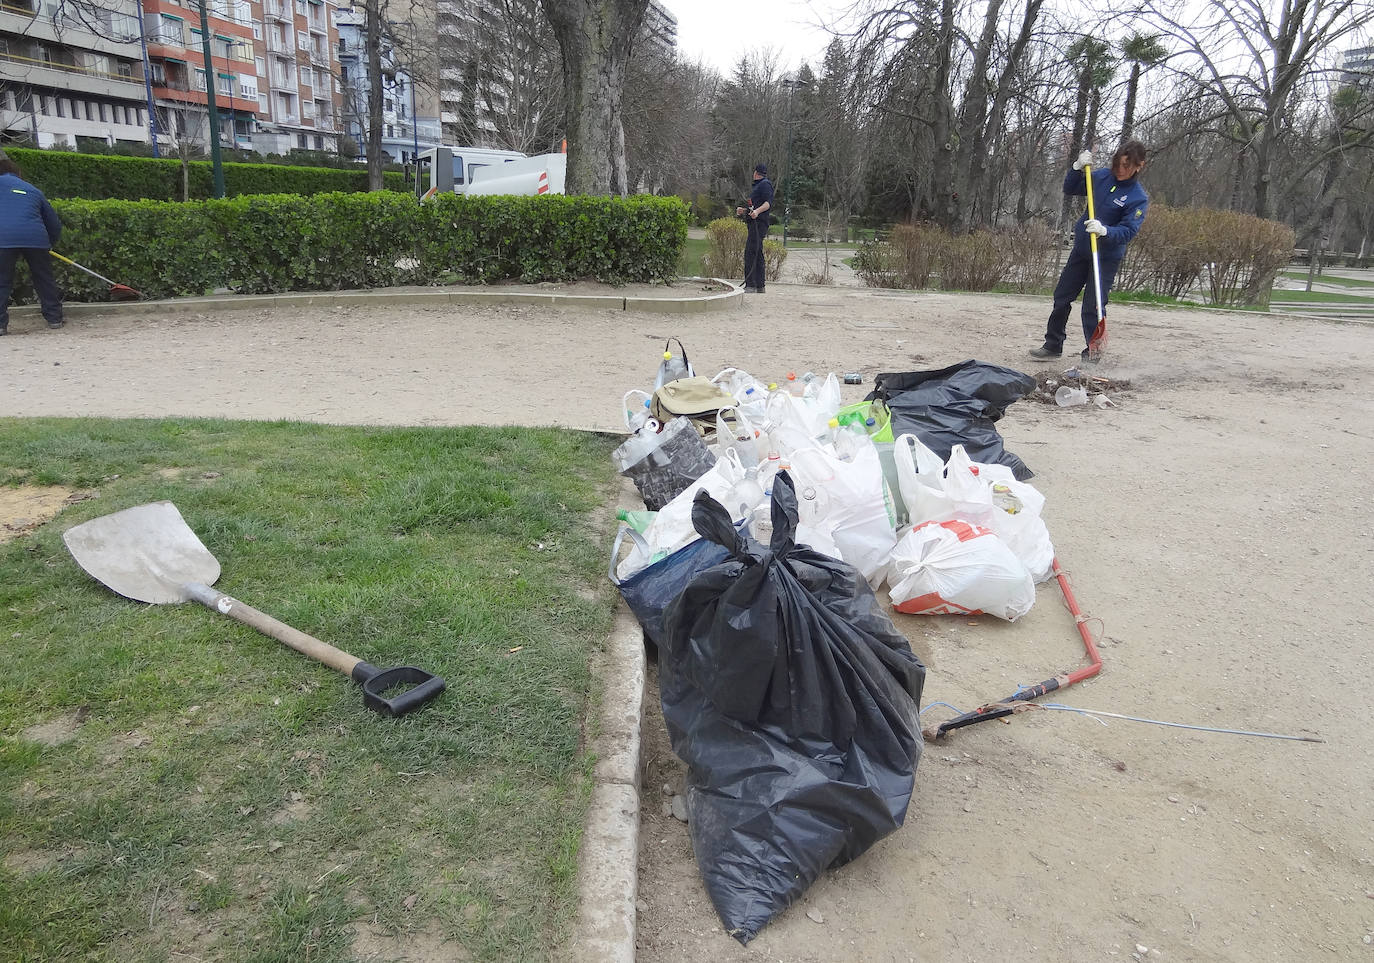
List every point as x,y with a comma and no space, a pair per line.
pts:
224,84
248,87
159,73
101,109
301,142
389,131
261,65
125,70
319,142
262,103
305,76
90,111
61,107
257,30
300,7
198,80
169,31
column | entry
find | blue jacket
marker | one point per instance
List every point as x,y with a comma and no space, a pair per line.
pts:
26,217
761,194
1119,205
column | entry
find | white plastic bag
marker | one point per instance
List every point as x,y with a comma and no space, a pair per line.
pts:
737,433
850,500
672,527
987,495
955,568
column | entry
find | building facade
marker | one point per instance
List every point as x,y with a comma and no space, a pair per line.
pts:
69,74
403,132
273,64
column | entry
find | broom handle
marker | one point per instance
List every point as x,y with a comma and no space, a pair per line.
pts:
82,267
1092,242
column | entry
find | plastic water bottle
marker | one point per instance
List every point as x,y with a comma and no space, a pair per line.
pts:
670,369
637,419
639,521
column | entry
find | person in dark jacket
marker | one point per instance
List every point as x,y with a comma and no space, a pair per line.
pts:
29,227
756,214
1120,204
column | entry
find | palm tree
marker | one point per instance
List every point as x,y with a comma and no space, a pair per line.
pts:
1093,63
1141,51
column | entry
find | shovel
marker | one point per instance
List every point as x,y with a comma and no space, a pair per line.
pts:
149,554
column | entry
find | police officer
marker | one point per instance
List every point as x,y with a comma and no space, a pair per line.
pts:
756,215
29,227
1120,204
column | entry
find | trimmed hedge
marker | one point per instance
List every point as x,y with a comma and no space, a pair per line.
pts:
62,174
273,244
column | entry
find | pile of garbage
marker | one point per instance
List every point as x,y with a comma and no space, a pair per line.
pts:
773,514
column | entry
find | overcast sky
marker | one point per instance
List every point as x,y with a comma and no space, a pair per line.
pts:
720,32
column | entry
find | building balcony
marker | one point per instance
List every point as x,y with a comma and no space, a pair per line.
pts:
41,73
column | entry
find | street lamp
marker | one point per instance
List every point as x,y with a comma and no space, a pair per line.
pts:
216,165
148,83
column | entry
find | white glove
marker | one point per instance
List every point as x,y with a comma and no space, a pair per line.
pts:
1094,226
1085,159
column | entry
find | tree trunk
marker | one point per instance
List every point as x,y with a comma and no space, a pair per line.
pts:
1128,119
373,27
595,37
1080,120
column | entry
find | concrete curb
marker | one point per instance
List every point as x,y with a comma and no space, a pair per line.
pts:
403,295
608,864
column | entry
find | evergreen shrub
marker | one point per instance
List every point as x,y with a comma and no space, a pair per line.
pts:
724,257
63,174
262,244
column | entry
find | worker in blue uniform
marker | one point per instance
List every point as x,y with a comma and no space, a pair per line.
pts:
757,219
1120,204
29,227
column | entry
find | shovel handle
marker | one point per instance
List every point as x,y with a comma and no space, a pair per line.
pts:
306,645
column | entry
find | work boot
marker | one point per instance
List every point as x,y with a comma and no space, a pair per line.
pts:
4,331
56,324
1045,354
750,289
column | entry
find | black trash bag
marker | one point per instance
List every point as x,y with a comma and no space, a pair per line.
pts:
793,700
956,406
653,588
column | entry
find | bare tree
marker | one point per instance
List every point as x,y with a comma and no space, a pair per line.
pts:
596,38
1259,60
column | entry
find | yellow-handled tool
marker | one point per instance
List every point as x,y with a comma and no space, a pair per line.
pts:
118,292
1099,339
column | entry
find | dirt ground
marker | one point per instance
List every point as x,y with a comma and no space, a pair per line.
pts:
1218,524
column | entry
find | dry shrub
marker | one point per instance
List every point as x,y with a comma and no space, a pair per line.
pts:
724,257
1236,255
774,254
1034,253
906,259
974,262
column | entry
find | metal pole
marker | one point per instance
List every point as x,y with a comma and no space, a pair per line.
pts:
215,163
148,83
787,164
414,125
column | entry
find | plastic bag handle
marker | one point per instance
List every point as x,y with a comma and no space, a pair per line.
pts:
625,404
640,543
685,363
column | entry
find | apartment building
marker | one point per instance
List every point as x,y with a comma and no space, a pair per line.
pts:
659,28
403,132
69,73
74,70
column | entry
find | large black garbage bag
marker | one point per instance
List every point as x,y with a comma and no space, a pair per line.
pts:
793,700
956,406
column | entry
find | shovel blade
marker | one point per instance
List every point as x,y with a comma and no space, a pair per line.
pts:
147,553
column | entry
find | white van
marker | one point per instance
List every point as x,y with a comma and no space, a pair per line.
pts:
481,170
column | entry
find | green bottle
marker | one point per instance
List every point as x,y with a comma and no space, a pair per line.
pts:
639,521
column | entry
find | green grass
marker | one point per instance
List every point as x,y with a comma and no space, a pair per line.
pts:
225,797
690,263
1328,279
1289,297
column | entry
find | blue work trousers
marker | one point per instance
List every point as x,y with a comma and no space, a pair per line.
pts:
44,284
1075,279
753,254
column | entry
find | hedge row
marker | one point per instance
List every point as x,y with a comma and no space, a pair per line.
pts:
272,244
1230,258
60,174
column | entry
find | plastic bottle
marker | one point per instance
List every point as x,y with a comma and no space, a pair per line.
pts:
1005,499
669,369
761,519
639,521
637,419
1067,397
795,388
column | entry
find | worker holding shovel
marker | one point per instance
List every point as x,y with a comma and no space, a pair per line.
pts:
29,227
1116,209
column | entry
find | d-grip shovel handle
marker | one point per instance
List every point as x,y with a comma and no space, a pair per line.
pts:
374,681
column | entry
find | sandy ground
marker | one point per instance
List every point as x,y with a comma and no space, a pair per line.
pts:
1218,524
